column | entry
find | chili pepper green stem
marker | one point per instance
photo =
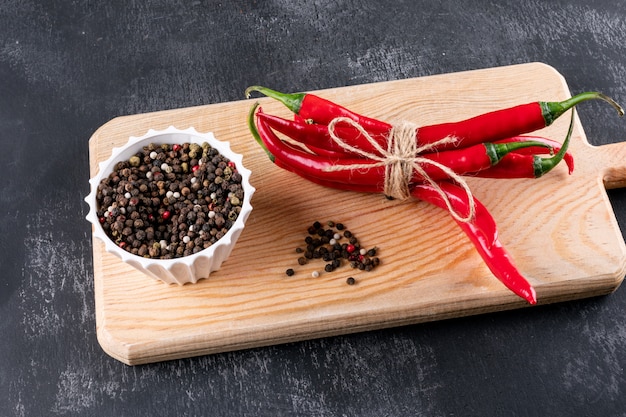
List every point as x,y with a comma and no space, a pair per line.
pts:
255,132
544,165
552,110
293,101
497,151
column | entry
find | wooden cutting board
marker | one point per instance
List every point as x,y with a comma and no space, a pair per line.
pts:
560,229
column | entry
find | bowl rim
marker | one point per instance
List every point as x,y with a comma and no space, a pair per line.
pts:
105,168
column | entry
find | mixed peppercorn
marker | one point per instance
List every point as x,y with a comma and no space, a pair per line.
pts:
169,201
335,147
334,244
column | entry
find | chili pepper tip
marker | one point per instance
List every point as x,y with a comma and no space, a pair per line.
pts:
529,295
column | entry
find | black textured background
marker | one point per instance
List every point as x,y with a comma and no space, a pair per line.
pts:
67,67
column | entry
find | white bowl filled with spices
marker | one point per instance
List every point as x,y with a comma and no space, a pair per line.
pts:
171,203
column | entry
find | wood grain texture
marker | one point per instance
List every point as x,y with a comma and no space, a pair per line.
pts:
560,229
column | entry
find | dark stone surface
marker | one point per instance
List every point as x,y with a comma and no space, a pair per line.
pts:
67,67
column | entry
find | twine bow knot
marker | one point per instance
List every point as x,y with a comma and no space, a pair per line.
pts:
401,159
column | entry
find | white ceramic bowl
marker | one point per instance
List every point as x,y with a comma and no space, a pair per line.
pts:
187,269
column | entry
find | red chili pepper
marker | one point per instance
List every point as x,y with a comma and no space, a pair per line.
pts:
317,135
488,127
515,166
311,136
548,143
480,228
513,121
312,149
315,109
366,171
520,165
490,249
344,186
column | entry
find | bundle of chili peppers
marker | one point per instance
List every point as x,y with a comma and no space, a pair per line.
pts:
333,146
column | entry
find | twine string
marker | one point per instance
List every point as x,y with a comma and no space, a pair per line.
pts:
401,159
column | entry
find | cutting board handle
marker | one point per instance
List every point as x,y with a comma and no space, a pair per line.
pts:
612,161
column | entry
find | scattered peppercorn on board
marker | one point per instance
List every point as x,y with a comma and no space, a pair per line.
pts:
560,229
